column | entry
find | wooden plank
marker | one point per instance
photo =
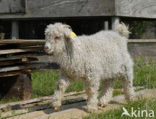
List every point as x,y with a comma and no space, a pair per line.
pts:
13,68
15,73
140,41
22,68
21,46
136,8
37,47
58,8
31,66
12,6
21,41
146,50
66,8
21,104
72,97
18,61
19,56
11,51
77,8
42,42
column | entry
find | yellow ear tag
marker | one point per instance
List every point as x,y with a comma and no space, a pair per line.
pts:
72,34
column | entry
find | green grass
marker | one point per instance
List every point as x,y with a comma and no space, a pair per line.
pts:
5,100
143,104
116,93
145,72
44,83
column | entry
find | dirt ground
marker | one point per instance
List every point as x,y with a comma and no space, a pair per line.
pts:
77,110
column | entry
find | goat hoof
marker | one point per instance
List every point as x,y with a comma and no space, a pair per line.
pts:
102,105
56,108
91,110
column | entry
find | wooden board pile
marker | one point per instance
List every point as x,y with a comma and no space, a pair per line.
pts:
19,56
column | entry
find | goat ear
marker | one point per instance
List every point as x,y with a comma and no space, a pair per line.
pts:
70,35
67,26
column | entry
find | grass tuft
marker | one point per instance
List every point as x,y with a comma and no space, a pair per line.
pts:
144,72
44,83
143,104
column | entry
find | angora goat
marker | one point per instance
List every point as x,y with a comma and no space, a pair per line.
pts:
101,57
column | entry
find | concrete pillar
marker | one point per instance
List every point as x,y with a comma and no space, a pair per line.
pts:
115,22
15,30
106,25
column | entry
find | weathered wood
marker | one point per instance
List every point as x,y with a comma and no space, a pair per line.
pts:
22,103
10,74
41,106
140,47
71,97
35,102
29,67
140,41
65,8
21,41
77,8
13,68
11,51
18,61
143,49
19,56
15,65
16,73
20,46
136,8
12,6
42,42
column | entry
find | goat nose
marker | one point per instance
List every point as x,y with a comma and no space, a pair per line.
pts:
46,48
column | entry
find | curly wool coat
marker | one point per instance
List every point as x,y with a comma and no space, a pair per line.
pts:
94,59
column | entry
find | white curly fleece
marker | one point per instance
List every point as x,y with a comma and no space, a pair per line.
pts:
101,57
